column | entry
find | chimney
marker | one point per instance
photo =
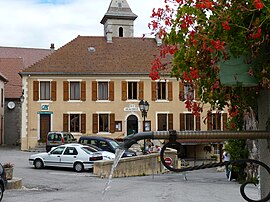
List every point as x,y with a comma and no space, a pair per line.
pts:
158,39
52,47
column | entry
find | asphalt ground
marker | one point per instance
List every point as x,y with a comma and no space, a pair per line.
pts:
47,185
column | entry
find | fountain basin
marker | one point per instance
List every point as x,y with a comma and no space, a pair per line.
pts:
134,166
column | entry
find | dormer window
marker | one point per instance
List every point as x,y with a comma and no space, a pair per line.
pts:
121,32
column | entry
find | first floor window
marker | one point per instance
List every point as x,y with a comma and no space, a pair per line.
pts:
74,122
165,122
214,121
103,123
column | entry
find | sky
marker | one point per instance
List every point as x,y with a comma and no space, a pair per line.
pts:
38,23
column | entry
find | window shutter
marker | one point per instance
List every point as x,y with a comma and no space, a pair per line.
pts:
124,90
95,123
83,123
182,121
35,90
65,122
209,121
66,91
111,91
170,91
83,91
198,122
141,90
154,91
181,91
94,90
170,121
224,120
53,90
112,123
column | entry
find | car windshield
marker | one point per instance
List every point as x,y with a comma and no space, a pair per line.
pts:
114,144
88,150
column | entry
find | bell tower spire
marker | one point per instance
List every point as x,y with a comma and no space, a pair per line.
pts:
118,20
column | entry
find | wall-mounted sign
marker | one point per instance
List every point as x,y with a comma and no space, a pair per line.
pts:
131,108
45,107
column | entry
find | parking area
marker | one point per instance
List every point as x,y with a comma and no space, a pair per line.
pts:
48,185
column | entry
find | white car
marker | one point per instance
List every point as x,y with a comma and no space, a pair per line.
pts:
76,156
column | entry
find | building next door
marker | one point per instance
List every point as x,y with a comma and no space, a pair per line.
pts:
132,124
45,126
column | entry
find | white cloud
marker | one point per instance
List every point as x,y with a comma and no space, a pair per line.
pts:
25,23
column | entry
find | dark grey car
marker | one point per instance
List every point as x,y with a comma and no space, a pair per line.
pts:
3,181
104,143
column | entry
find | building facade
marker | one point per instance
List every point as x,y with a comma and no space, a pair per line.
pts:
93,85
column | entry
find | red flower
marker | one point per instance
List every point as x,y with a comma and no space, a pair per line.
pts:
226,25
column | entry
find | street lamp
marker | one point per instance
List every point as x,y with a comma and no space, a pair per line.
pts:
144,107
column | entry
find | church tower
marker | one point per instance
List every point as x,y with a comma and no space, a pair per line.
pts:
118,20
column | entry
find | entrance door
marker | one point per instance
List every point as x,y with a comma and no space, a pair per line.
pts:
45,126
132,124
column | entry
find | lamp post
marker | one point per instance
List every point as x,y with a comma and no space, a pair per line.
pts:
144,107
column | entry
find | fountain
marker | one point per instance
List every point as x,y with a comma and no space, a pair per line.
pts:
172,137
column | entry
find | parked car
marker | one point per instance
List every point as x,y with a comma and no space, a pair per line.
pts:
56,138
3,181
104,143
74,155
106,155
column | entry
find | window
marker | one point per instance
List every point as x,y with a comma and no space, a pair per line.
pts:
75,91
71,151
103,123
189,121
214,121
2,97
161,91
45,90
188,91
121,32
74,122
132,90
58,150
165,122
103,91
118,126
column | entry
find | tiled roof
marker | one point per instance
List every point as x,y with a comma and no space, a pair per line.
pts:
29,55
10,67
93,55
12,61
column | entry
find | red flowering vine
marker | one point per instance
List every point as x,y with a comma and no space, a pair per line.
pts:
196,34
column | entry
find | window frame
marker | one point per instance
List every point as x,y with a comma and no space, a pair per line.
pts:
103,123
162,90
74,90
44,90
132,90
102,90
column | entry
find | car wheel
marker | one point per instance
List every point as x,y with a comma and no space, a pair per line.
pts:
38,164
78,167
1,192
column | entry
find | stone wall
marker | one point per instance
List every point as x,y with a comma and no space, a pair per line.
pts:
134,166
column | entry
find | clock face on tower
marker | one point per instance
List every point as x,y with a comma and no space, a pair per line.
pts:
11,105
